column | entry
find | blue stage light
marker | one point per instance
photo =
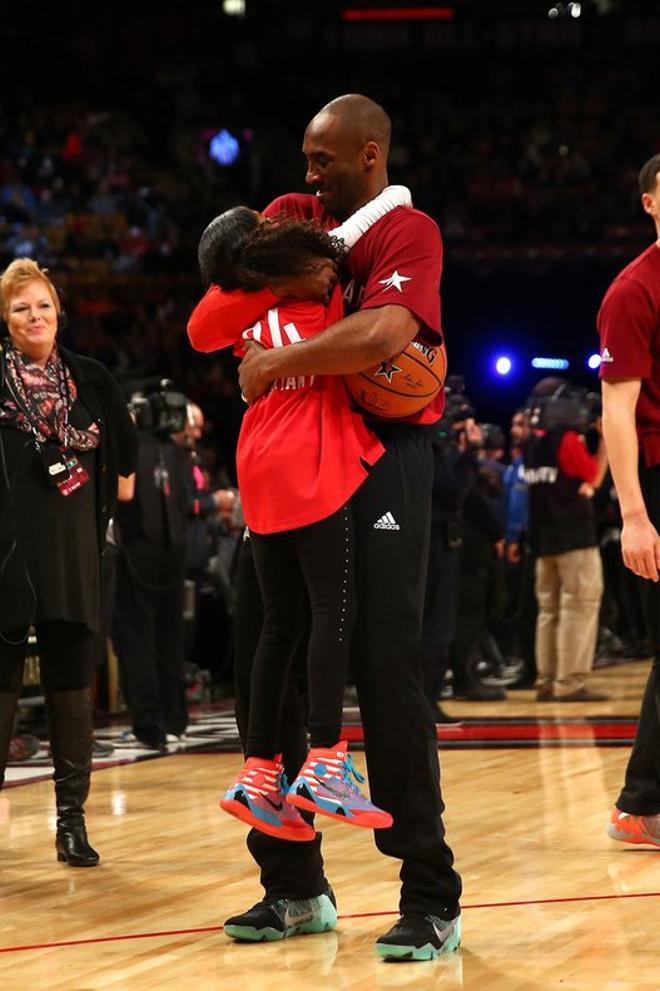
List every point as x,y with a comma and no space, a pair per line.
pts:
555,364
224,148
593,361
503,365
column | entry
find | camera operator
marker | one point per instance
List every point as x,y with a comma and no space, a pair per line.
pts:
203,505
562,478
520,562
214,522
151,568
456,445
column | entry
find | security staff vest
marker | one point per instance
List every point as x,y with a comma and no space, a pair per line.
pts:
560,519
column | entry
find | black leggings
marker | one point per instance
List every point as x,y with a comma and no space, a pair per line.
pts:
316,560
67,655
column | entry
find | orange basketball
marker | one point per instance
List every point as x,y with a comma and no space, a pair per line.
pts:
403,385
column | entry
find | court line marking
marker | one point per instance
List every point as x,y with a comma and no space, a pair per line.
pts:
356,915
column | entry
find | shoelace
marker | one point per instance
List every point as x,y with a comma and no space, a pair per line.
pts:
350,768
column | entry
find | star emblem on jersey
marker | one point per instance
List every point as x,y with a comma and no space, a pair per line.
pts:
395,281
388,369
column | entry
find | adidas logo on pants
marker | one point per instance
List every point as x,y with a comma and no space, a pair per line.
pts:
386,522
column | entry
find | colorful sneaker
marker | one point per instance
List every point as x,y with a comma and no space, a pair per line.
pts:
324,785
634,829
420,937
258,798
279,918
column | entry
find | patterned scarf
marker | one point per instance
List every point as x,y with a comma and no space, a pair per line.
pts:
39,400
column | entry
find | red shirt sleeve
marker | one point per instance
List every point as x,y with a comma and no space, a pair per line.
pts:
574,459
406,266
220,317
626,324
297,206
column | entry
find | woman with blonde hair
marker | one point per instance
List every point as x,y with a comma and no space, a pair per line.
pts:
65,438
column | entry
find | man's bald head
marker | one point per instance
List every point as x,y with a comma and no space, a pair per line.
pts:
359,119
346,146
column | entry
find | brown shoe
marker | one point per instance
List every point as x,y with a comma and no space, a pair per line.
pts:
582,695
544,694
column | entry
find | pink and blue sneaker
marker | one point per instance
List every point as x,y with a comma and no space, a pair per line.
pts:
258,798
325,785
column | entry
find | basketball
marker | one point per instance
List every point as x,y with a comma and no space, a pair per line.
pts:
402,385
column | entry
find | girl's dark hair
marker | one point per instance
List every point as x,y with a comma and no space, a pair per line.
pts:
237,252
221,245
282,248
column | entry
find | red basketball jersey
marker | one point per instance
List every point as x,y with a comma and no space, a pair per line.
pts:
397,261
302,450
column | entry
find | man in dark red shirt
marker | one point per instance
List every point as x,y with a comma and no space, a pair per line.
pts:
629,327
394,274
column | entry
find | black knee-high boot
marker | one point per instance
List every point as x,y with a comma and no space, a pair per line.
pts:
70,724
8,701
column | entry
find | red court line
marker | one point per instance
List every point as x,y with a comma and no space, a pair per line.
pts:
543,732
355,915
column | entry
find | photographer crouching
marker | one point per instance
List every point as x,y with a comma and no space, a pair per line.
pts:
562,478
147,628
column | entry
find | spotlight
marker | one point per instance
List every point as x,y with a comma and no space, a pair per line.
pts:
234,8
556,364
593,361
224,148
503,365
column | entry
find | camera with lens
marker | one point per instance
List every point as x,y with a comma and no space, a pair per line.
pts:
493,437
457,409
158,408
567,408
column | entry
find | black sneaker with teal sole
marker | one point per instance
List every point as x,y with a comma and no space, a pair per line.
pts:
420,937
279,918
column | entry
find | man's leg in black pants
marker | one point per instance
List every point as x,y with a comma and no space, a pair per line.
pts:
399,732
440,604
288,870
641,791
168,641
134,641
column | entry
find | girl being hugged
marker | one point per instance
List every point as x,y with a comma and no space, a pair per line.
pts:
303,452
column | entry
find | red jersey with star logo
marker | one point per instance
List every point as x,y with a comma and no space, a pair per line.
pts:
397,261
302,450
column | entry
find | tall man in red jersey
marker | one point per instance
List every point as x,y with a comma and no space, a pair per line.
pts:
393,287
629,326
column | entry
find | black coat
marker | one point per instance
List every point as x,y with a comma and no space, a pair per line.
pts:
100,394
51,546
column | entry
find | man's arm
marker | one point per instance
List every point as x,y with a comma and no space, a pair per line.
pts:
640,543
575,461
350,345
220,317
126,487
601,458
392,310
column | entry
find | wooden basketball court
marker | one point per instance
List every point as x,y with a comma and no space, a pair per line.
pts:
549,902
